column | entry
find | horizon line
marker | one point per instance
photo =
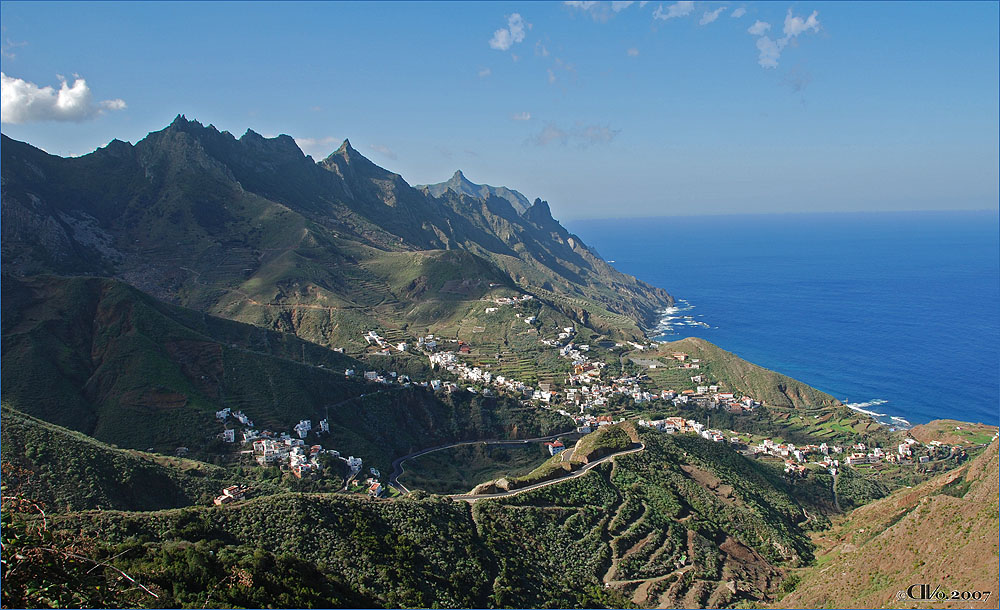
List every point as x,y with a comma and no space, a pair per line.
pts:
995,211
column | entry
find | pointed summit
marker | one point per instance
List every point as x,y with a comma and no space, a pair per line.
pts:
463,186
539,213
345,147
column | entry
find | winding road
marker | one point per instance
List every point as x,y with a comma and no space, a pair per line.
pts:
397,464
506,494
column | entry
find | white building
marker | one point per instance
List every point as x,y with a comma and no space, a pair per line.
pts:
303,428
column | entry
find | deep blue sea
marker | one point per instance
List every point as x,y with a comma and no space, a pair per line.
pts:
896,307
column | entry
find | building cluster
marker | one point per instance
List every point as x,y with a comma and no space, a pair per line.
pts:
373,338
384,378
282,449
797,456
524,298
832,456
588,423
450,362
686,362
679,425
231,494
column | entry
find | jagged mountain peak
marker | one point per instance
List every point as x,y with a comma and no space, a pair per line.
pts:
460,184
458,179
346,153
215,189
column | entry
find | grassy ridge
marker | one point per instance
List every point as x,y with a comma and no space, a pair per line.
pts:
669,525
100,357
66,470
739,375
943,531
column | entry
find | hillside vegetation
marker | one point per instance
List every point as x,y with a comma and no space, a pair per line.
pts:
253,230
66,471
943,532
678,524
737,374
98,356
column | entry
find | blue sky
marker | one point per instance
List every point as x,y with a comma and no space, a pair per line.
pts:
605,110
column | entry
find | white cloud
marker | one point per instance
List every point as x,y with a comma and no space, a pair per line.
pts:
738,13
678,9
540,49
633,52
8,44
383,150
505,38
579,135
796,25
316,146
24,102
600,11
484,72
552,76
522,116
643,3
711,16
769,52
550,133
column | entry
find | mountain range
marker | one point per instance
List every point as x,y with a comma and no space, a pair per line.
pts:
254,230
463,186
150,287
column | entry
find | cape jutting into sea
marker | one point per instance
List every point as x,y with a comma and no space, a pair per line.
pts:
897,313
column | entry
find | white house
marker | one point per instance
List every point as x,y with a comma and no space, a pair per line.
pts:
556,447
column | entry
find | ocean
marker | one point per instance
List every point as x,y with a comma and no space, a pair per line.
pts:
896,313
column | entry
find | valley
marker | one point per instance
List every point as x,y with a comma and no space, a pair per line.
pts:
236,376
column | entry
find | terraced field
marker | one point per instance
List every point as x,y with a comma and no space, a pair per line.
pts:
651,534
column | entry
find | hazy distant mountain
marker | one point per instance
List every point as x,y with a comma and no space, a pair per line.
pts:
463,186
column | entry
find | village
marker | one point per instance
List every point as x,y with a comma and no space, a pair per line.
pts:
584,395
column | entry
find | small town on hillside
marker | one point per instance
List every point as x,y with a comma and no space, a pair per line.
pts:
585,391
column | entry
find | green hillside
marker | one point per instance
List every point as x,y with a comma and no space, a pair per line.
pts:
253,230
943,532
100,357
679,523
774,389
66,471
